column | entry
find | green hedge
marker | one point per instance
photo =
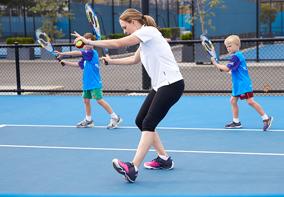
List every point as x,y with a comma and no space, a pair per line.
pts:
171,32
20,40
166,32
116,36
186,36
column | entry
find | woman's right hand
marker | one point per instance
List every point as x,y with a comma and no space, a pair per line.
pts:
106,59
58,54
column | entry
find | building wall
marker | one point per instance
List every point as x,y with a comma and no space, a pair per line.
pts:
238,17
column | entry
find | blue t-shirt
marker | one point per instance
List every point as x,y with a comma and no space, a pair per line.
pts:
91,71
241,82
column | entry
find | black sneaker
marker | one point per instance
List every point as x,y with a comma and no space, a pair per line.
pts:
159,163
127,169
233,125
267,123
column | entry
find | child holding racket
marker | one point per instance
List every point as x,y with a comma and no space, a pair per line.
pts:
92,83
241,83
167,83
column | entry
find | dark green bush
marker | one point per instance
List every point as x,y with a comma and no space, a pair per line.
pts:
186,36
20,40
175,32
170,32
116,36
166,32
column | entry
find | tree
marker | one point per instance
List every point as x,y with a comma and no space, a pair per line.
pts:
0,26
18,6
51,10
267,15
204,12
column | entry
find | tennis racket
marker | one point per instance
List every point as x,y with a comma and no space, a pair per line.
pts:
208,46
45,42
94,22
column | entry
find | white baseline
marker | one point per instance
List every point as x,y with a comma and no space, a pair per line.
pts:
133,150
134,127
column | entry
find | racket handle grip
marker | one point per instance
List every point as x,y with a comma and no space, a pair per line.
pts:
105,62
105,52
62,63
218,62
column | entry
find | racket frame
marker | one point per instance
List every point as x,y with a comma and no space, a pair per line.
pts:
94,22
209,47
45,42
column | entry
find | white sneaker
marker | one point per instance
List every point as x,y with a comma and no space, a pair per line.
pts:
114,122
85,124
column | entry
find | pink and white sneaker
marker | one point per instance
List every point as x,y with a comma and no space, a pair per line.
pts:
159,163
127,169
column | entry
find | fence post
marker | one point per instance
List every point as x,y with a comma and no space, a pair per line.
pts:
17,61
146,82
257,29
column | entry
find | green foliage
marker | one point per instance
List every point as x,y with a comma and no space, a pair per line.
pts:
103,37
172,33
20,40
166,32
186,36
116,36
267,14
51,10
175,32
204,12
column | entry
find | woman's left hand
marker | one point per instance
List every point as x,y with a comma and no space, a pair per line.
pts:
78,37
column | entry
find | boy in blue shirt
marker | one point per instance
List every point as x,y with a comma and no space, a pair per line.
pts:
241,83
92,83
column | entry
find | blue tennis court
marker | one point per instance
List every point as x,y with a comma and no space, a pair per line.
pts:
265,52
43,154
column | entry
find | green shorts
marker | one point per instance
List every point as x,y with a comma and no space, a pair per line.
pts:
93,94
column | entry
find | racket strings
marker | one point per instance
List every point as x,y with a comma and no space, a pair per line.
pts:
43,43
208,45
90,17
46,45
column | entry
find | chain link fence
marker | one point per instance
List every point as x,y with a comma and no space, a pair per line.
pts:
29,69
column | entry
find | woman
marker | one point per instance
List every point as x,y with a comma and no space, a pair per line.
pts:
167,83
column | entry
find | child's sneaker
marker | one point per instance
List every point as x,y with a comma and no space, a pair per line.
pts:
85,124
114,122
267,123
160,163
127,169
233,125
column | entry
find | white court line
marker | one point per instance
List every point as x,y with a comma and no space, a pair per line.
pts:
133,150
133,127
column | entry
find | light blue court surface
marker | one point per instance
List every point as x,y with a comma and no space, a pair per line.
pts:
43,154
265,52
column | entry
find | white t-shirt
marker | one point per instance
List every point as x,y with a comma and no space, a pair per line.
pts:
157,57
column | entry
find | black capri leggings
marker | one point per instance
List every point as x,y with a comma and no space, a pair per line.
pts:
157,105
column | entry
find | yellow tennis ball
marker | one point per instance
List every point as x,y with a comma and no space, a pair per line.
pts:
79,44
